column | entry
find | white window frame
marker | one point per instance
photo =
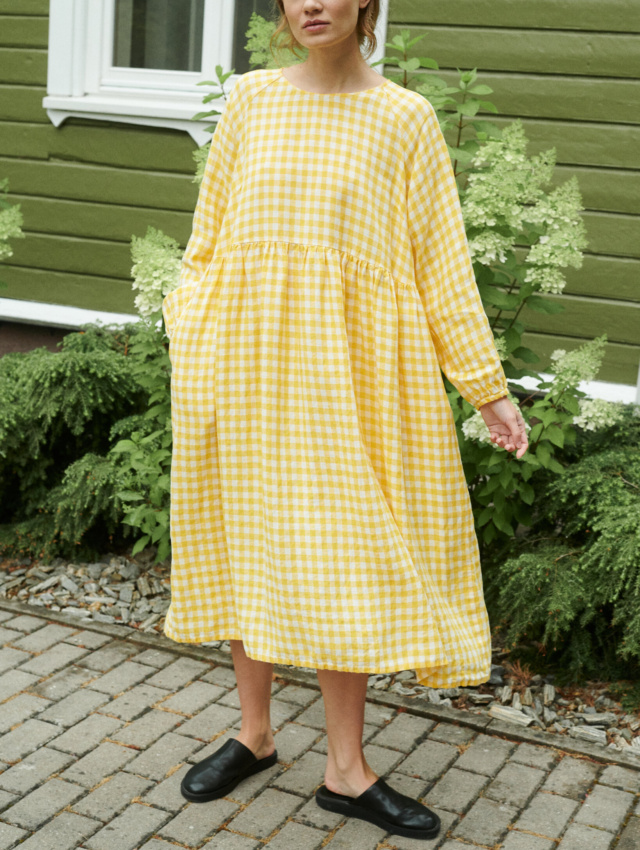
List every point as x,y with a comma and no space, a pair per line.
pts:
82,82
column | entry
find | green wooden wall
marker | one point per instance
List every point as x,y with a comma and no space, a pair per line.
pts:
85,187
568,68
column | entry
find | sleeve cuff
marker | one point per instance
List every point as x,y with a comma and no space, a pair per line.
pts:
503,393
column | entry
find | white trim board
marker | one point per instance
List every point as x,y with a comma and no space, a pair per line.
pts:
594,389
57,315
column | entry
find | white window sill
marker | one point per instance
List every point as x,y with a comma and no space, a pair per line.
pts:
164,109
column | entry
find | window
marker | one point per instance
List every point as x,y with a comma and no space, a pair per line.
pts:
158,34
140,61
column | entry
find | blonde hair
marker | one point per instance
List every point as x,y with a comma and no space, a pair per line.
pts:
365,28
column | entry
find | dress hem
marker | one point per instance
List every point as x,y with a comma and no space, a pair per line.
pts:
433,677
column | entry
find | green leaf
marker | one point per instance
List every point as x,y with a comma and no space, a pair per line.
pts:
527,493
555,435
140,544
525,354
505,477
429,63
470,108
501,523
129,496
543,454
489,533
555,466
481,89
409,65
570,403
484,516
544,305
498,298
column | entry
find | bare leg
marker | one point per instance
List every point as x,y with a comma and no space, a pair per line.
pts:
344,694
254,689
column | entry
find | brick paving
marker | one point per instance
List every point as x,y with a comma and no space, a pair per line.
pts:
98,726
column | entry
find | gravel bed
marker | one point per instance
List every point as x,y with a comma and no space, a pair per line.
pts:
129,592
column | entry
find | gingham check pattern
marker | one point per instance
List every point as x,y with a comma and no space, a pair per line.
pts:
319,509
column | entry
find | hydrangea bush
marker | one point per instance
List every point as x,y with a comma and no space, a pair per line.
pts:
10,223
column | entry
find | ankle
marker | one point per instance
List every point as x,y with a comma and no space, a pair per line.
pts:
258,740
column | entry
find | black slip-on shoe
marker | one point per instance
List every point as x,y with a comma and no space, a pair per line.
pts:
220,772
387,808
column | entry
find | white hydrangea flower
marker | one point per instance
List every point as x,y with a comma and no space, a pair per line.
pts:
581,364
474,428
156,269
10,228
564,241
596,413
504,198
501,347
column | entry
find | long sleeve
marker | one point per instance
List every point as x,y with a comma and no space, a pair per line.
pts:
210,209
443,271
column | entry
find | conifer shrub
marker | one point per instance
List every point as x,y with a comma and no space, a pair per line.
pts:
571,588
57,415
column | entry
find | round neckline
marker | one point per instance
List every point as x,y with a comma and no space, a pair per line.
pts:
332,93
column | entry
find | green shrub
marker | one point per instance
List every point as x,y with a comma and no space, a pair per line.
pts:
56,411
573,587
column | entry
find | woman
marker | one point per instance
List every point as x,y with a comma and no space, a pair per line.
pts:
320,516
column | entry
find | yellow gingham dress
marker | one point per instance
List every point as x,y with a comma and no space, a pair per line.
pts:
319,510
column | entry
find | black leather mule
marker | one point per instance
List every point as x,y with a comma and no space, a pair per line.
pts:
220,772
387,808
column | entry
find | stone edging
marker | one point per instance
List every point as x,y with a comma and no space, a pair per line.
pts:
309,680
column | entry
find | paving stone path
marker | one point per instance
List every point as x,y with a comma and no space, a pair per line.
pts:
98,726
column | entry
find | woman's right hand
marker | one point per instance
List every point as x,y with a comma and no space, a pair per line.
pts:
506,425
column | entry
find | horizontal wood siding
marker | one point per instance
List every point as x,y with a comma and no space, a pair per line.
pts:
569,69
84,188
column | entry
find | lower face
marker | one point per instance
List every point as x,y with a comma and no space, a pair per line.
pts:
341,17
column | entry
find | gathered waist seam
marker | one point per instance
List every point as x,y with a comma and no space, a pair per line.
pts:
324,248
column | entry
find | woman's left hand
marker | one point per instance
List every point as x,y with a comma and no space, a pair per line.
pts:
506,425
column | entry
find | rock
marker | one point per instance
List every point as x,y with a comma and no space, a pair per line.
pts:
537,705
380,685
510,715
527,697
143,586
399,688
433,695
589,709
548,694
480,699
588,733
69,584
496,674
516,702
450,693
548,715
405,675
600,719
507,694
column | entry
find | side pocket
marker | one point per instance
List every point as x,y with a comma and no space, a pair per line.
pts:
174,305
